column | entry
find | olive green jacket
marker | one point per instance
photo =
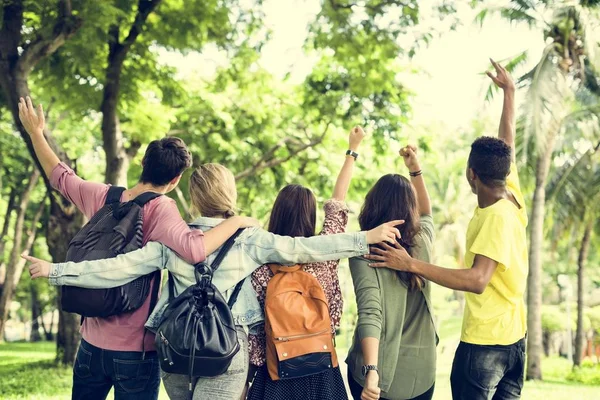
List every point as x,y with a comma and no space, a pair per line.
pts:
402,321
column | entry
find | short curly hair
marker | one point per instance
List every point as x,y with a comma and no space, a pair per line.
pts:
490,159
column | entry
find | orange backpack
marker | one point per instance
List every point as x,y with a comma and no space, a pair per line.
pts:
297,325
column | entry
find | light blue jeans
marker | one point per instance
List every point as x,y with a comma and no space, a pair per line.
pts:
228,386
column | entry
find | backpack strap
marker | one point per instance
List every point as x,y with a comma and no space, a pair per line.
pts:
153,300
235,294
222,253
114,194
171,283
144,198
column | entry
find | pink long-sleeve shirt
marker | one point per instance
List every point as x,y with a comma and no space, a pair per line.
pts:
162,223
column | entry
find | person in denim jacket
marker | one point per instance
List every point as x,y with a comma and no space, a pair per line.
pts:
213,194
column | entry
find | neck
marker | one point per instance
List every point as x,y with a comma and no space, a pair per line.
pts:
140,188
490,195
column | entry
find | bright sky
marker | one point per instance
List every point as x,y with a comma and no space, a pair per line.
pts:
449,90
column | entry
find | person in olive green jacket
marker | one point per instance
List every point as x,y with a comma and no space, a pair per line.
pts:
393,355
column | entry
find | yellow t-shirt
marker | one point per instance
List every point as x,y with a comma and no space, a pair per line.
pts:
497,316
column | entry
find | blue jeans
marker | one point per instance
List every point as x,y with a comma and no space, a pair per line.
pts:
482,372
96,371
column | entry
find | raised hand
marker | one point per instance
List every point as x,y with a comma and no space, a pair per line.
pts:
386,232
38,268
248,222
502,79
409,154
32,121
357,134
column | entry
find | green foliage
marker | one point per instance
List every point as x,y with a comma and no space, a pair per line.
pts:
594,315
553,319
587,374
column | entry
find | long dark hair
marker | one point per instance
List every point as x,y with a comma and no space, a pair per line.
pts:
392,198
294,212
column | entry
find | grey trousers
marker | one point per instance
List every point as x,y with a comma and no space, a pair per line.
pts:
228,386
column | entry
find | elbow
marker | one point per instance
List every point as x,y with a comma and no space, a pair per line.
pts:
477,285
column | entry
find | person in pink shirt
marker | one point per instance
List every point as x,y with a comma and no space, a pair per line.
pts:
126,357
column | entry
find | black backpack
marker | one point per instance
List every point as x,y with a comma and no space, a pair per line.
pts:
197,335
115,229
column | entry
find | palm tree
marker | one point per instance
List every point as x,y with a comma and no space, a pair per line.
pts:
566,65
574,199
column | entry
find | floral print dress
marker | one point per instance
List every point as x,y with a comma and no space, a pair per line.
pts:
328,385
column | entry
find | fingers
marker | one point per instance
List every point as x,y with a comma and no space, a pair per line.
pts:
395,222
493,78
387,247
376,250
30,258
30,105
397,234
40,112
378,265
497,66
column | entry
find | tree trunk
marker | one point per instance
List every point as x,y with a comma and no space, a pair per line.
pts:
583,255
48,335
62,227
534,280
16,62
5,226
117,156
12,272
36,312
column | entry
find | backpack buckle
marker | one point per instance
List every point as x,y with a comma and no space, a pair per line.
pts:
202,271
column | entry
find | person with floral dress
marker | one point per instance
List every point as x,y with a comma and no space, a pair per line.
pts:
294,214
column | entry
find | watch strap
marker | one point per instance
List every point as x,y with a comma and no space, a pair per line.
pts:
367,368
352,153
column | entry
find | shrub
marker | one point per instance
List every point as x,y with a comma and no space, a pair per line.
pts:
553,319
588,374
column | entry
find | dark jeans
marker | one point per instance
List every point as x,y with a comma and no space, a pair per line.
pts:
488,372
356,390
96,371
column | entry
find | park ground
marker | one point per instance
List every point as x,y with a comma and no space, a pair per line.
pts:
27,372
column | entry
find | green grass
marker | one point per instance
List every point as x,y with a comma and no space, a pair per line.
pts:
27,371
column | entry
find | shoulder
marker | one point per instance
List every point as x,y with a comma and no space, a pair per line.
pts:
161,204
359,263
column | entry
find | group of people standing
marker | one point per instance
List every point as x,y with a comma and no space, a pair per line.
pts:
393,353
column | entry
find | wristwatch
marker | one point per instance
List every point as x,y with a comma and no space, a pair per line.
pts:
367,368
352,153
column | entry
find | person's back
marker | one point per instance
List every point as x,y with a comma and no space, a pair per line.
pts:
393,353
490,359
213,192
122,337
498,316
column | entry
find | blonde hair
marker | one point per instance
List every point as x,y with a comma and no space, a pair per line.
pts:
213,192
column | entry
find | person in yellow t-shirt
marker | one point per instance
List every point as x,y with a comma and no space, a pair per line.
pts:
489,363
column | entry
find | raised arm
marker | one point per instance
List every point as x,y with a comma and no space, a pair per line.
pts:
504,81
34,122
409,153
345,176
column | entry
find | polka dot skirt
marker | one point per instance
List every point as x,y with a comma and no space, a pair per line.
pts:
327,385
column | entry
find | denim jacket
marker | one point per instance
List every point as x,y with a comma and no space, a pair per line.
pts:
252,248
